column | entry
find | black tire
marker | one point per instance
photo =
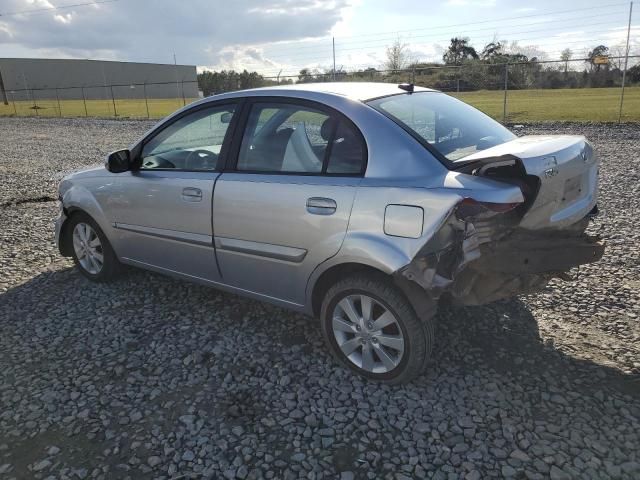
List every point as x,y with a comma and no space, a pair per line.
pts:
417,333
111,267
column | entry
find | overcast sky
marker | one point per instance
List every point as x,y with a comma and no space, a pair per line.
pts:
274,35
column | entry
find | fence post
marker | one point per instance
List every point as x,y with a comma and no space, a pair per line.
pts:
184,101
35,102
58,100
13,100
626,63
84,100
146,101
504,102
3,91
113,100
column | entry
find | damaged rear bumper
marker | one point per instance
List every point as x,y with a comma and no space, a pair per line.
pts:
529,254
471,267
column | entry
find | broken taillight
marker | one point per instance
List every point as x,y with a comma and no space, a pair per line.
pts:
470,207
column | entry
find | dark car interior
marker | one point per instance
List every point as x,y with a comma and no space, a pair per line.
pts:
280,139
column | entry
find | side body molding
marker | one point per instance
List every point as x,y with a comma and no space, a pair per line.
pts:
279,252
186,237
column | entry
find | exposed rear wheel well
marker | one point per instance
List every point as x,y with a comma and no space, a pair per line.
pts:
333,275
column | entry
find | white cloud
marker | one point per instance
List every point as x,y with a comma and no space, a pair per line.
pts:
63,18
199,32
471,3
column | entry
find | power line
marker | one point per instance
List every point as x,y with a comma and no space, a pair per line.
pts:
495,20
541,41
449,67
579,43
54,8
439,35
378,44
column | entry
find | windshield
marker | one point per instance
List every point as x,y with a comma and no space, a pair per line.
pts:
453,128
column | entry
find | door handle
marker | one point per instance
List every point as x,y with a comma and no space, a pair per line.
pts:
190,194
321,206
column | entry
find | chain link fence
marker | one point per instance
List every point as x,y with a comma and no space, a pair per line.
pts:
532,91
555,90
132,100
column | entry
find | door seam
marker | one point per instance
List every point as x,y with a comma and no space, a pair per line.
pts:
213,231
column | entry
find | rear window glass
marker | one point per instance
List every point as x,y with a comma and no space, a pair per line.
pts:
453,128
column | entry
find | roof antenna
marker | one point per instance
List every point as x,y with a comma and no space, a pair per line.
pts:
407,87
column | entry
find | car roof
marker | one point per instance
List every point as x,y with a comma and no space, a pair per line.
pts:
361,91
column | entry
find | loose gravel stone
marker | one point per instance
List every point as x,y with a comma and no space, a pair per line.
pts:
150,377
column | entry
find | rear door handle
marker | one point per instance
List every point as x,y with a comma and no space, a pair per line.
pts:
190,194
321,206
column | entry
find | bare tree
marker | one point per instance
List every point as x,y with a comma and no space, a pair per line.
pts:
532,52
617,56
566,55
397,56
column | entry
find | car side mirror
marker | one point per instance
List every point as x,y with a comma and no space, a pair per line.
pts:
118,162
226,117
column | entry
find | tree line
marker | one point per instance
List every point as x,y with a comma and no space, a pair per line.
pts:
463,68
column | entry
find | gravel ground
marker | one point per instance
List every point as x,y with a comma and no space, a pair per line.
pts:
155,378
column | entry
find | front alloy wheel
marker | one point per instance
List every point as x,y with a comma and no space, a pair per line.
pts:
92,252
88,248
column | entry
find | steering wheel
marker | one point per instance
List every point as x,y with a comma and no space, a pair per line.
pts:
200,160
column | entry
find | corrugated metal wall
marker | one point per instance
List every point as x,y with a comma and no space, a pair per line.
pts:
70,79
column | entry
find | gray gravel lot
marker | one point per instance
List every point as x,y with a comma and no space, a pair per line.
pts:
155,378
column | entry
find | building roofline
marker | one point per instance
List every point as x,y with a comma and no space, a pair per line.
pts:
95,60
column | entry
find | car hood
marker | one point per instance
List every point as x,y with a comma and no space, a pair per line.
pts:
92,171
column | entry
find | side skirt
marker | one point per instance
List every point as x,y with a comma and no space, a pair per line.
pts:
220,286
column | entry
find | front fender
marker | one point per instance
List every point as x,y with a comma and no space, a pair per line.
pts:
78,198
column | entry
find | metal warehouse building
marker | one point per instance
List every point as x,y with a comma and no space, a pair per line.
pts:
29,78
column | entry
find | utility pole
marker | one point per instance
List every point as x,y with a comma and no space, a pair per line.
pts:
3,92
333,44
626,62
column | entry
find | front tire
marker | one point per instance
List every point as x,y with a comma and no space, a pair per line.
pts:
370,326
91,250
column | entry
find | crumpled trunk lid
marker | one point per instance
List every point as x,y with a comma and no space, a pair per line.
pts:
564,167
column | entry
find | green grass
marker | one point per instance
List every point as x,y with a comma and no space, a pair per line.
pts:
130,108
579,105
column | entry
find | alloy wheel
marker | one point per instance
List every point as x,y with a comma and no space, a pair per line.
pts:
367,333
88,248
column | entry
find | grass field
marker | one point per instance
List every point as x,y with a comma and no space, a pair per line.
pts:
580,105
129,108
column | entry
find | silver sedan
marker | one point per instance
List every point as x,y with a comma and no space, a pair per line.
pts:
361,204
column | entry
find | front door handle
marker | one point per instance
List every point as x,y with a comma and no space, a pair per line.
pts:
321,206
190,194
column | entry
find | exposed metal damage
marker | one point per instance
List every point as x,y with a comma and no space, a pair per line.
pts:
480,258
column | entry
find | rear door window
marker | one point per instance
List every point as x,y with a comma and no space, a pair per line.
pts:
291,138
